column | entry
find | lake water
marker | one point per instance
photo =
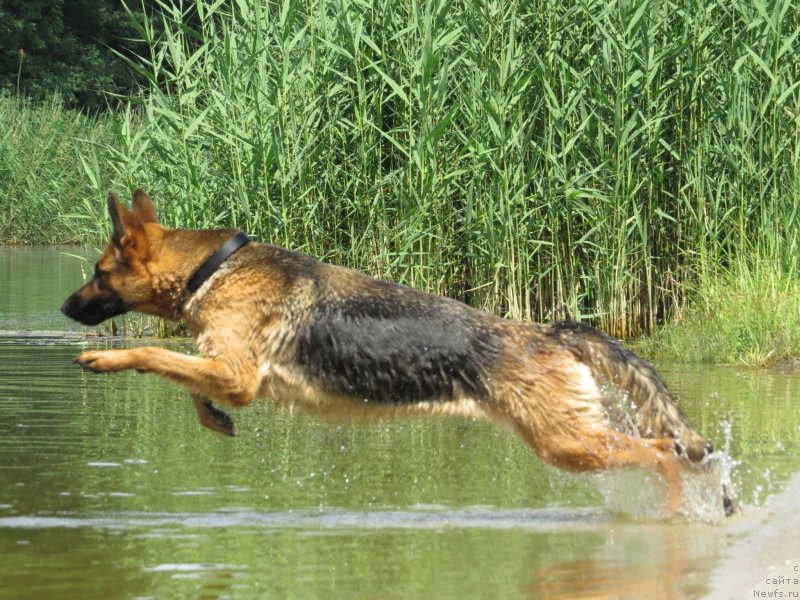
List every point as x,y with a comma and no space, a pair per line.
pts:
109,488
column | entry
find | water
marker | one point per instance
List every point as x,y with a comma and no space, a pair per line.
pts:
109,488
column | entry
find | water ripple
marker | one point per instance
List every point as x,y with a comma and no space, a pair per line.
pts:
467,518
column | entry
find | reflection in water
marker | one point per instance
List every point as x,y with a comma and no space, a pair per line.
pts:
33,282
430,553
652,563
109,488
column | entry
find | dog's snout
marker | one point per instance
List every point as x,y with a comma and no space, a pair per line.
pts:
93,309
68,308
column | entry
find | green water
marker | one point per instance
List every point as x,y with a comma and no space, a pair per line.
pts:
109,488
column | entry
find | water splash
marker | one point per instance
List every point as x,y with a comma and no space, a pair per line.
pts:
728,463
638,494
706,487
632,493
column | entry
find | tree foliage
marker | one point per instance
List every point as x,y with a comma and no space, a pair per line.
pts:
68,46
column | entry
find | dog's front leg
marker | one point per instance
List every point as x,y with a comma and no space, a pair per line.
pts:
212,377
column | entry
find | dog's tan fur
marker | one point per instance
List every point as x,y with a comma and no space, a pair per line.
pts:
262,329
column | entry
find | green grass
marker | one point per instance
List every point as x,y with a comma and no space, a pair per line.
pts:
749,317
46,195
540,159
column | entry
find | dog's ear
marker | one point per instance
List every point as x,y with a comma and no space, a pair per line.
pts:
119,214
143,207
128,232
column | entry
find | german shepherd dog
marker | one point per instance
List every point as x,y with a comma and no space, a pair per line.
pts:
339,344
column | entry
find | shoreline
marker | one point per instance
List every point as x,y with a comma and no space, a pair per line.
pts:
760,543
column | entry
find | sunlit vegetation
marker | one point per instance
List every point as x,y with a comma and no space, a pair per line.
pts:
593,160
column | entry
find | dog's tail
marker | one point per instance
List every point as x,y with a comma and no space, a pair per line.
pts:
658,415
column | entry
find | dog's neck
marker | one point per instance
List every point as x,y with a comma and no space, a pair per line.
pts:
214,262
180,254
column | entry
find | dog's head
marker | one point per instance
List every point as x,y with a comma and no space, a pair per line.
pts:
121,280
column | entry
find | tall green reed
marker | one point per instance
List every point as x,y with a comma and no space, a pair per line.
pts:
45,195
542,159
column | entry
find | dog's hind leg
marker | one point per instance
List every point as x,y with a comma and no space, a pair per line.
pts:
211,416
603,448
554,404
657,414
652,455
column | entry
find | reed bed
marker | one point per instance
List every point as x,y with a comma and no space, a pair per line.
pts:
748,316
541,159
45,195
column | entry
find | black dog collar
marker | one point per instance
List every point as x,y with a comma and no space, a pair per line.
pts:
206,270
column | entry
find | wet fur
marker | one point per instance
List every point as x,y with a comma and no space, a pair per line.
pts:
339,344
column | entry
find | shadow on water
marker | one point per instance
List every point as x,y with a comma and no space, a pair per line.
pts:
109,488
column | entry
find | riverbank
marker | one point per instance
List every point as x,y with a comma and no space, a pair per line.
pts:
763,545
748,316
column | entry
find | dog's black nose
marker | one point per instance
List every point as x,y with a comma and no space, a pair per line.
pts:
68,306
709,448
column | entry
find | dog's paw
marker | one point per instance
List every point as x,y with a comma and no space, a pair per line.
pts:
212,417
102,361
222,421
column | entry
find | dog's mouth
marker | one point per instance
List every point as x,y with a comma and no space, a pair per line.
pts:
93,311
